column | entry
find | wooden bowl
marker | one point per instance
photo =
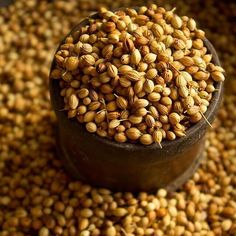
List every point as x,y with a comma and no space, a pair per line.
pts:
130,167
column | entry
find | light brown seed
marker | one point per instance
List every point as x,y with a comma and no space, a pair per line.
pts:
157,30
93,95
104,78
170,135
178,54
193,110
228,212
186,76
188,102
166,91
43,231
83,93
141,112
120,212
150,121
113,124
124,114
125,59
140,103
167,75
124,82
121,102
133,133
179,45
166,101
141,40
91,127
129,45
157,136
135,119
135,57
164,119
111,106
86,48
120,137
210,88
109,26
131,97
102,133
226,225
153,111
132,75
183,91
111,231
154,97
101,67
150,58
107,51
217,76
174,95
56,74
187,61
113,115
100,117
179,133
120,128
86,213
162,109
198,44
89,116
174,118
82,109
86,101
142,67
148,86
151,74
176,22
93,106
71,63
138,86
192,24
201,75
112,70
146,139
196,117
106,89
73,101
87,60
83,223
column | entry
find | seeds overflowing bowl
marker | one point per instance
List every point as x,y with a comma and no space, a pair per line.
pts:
137,75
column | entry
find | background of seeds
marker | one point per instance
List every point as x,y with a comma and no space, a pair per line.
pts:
37,197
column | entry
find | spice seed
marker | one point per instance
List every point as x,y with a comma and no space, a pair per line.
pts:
91,127
133,133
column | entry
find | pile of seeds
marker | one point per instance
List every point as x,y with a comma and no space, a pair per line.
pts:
137,75
38,198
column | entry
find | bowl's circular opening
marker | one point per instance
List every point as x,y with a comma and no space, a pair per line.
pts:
58,104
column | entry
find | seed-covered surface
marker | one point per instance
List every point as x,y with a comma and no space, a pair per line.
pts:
131,62
36,195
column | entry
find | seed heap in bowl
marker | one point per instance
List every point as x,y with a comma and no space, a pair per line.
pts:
137,75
